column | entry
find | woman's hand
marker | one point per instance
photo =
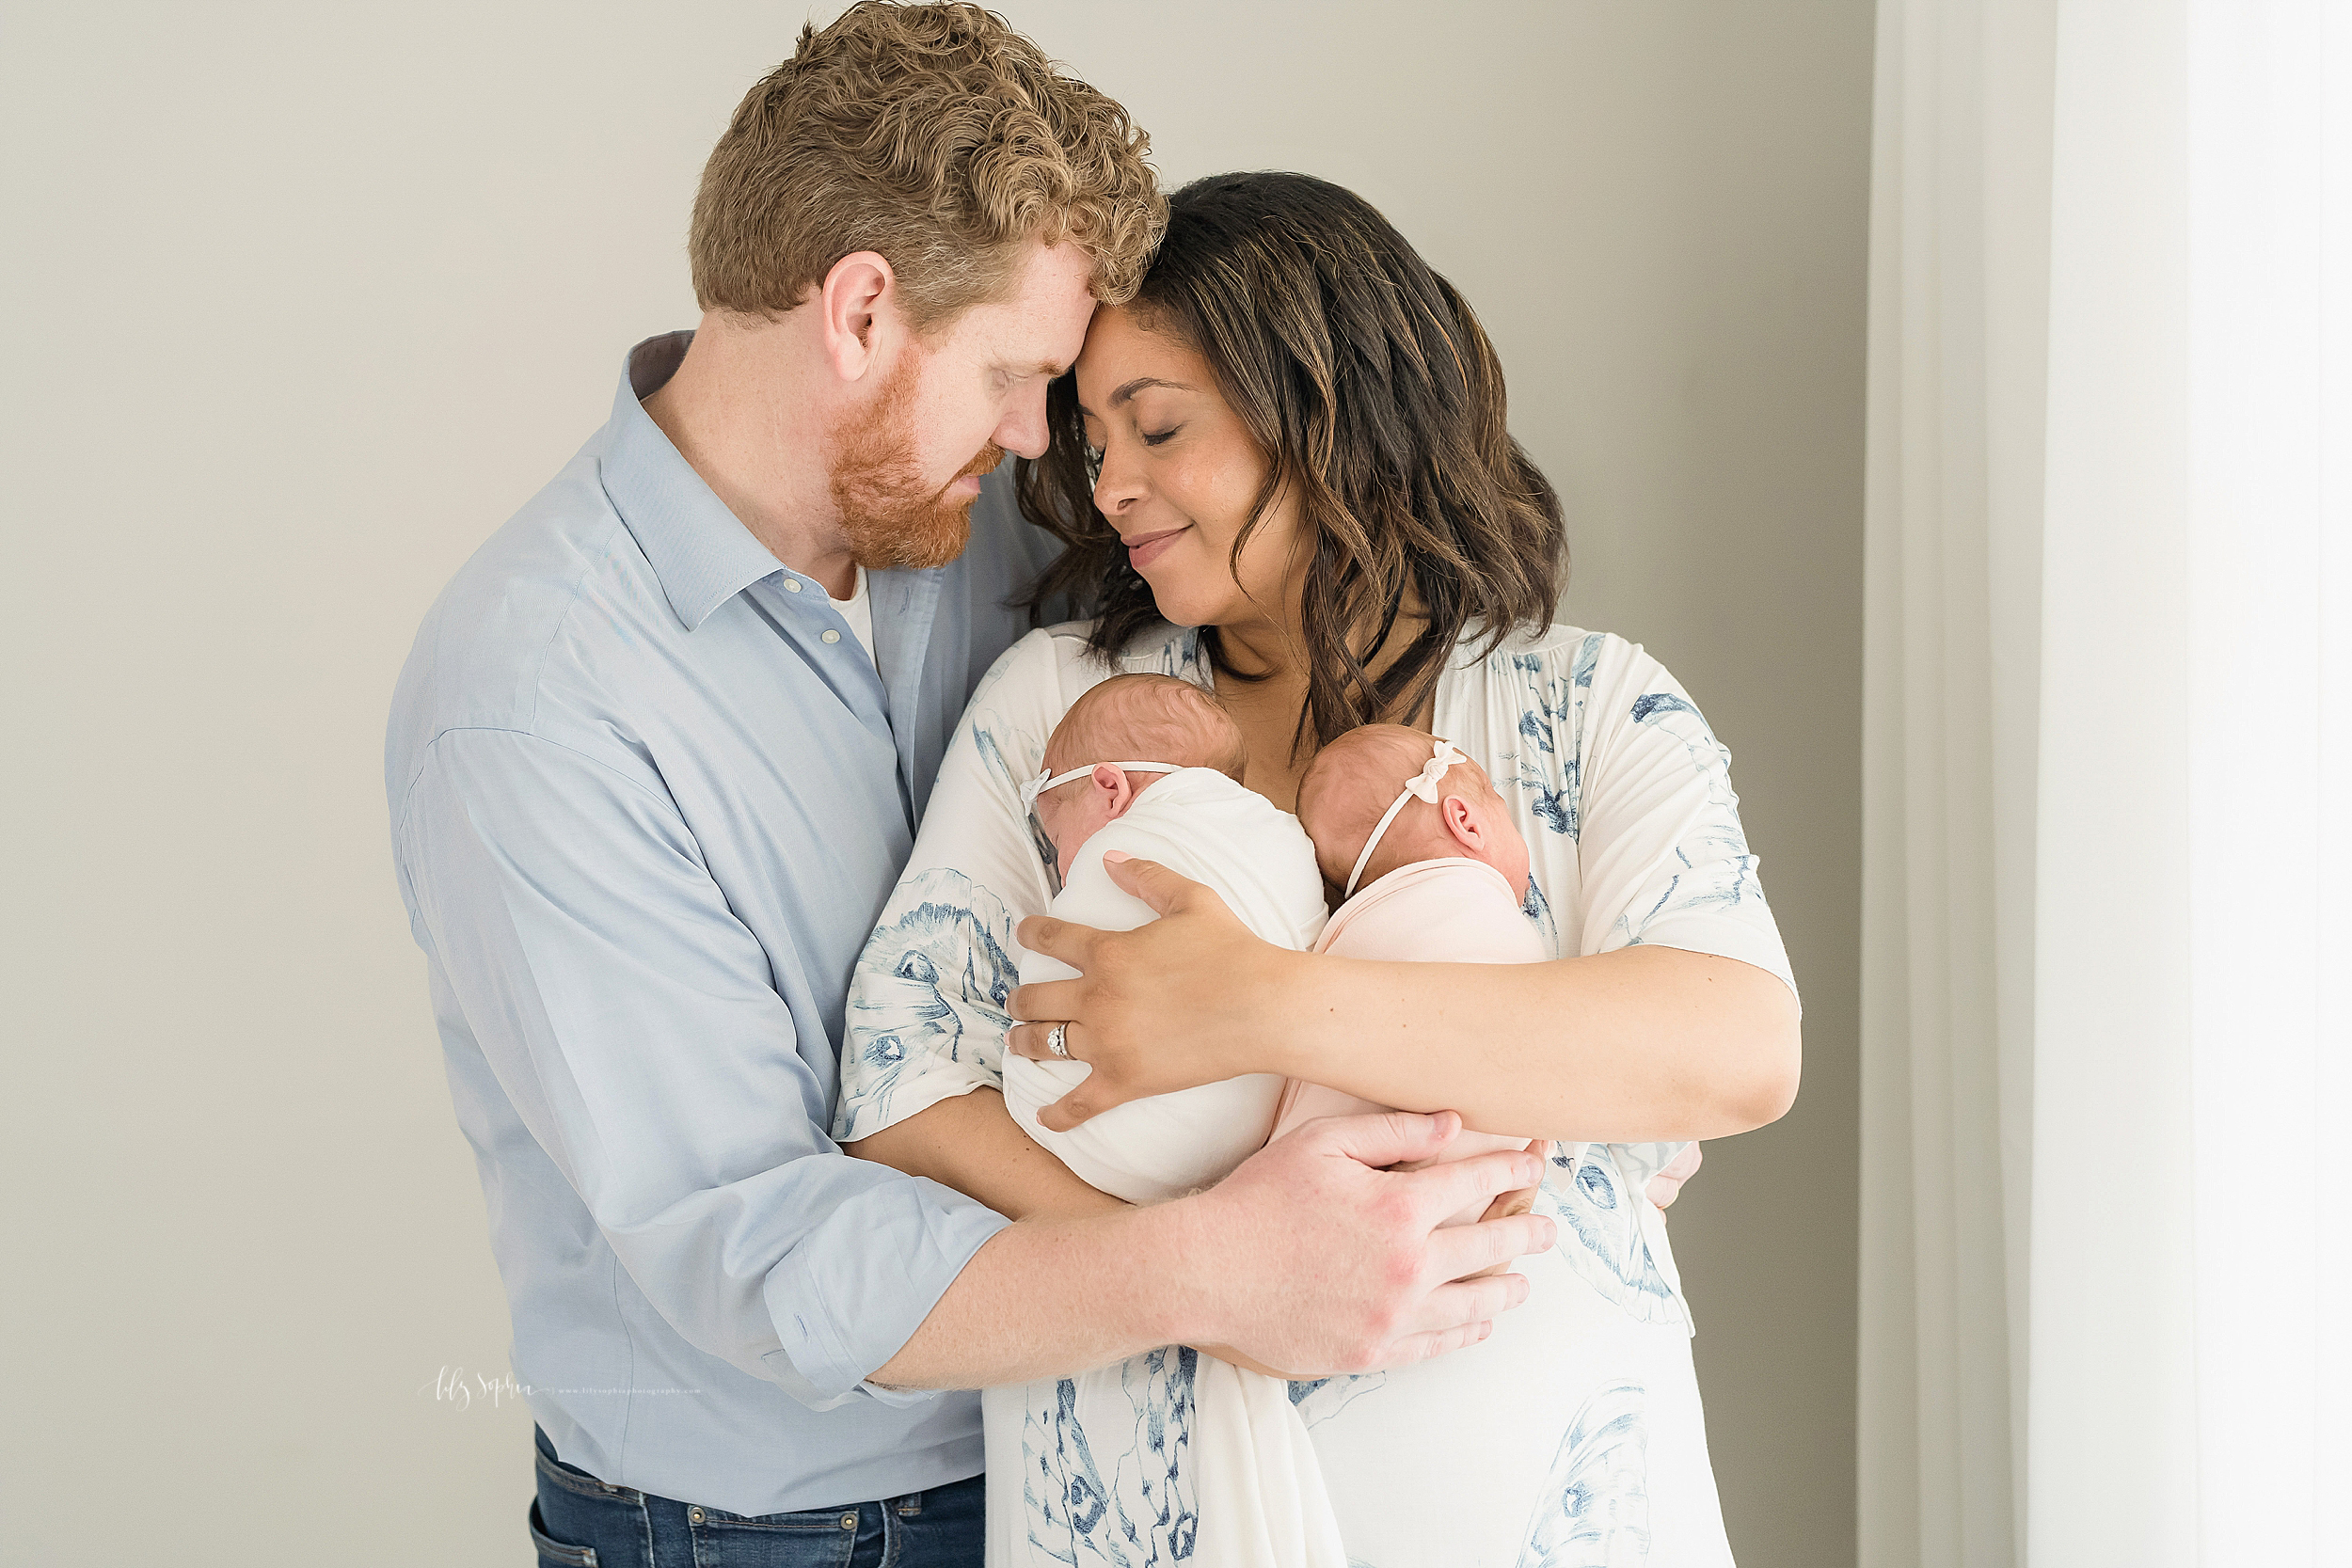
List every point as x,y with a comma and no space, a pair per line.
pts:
1667,1184
1176,1002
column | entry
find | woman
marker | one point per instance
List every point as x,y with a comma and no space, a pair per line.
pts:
1284,473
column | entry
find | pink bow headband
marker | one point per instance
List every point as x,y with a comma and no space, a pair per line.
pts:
1422,786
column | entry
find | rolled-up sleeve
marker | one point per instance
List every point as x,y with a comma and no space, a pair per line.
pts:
633,1021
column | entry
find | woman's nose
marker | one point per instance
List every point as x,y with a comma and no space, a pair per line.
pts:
1119,485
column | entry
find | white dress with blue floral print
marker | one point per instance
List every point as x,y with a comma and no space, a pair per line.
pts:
1573,1438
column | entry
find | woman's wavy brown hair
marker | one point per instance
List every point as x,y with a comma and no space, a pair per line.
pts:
1370,388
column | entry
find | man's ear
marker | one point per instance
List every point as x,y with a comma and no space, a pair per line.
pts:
1113,783
1462,823
857,305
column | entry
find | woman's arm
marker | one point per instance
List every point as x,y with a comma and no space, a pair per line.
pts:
972,1144
1678,1022
1644,1043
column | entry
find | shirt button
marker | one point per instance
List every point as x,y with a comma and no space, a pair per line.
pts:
695,1516
830,635
792,585
848,1521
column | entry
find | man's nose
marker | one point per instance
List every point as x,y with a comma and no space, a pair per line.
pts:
1022,432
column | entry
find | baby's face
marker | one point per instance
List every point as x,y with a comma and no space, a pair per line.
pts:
1078,809
1506,847
1132,718
1469,819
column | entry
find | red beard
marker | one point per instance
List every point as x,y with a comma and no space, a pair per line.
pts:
893,517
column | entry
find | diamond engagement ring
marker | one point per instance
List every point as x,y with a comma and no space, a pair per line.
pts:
1054,1039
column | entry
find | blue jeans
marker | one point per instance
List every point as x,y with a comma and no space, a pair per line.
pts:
580,1522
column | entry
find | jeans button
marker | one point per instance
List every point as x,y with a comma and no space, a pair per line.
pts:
849,1520
695,1516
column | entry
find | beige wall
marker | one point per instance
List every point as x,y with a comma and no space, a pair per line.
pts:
302,300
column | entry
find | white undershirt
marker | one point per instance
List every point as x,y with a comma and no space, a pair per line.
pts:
858,609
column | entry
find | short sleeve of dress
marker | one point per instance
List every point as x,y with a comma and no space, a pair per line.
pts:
1664,859
928,1000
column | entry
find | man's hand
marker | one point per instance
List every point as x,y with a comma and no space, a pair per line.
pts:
1509,1205
1520,1201
1171,1005
1307,1257
1313,1257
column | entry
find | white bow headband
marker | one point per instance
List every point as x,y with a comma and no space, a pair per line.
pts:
1049,780
1422,786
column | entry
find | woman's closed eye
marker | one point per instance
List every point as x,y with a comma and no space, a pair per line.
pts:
1154,437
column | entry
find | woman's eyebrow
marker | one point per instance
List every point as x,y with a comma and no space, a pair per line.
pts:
1130,389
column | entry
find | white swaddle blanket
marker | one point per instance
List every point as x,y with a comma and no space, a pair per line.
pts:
1259,1486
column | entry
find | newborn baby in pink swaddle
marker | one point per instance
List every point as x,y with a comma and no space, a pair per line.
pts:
1432,869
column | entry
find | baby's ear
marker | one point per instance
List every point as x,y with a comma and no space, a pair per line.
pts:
1112,782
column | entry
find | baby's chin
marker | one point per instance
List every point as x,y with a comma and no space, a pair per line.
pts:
1067,847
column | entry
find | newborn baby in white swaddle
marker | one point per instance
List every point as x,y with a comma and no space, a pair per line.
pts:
1152,766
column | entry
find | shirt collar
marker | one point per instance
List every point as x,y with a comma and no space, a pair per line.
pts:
701,551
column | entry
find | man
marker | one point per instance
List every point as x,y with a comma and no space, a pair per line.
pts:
653,765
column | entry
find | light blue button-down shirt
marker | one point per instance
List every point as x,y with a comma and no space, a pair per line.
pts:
645,814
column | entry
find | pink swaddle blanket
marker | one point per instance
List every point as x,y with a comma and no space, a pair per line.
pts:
1453,910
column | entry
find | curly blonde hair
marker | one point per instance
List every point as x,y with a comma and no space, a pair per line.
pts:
936,136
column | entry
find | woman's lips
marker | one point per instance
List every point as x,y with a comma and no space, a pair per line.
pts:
1144,548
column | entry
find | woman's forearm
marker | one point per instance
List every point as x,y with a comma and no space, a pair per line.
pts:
1640,1044
1646,1043
971,1143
